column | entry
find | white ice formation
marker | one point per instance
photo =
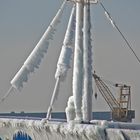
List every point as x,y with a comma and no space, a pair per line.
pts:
70,110
43,130
34,59
67,49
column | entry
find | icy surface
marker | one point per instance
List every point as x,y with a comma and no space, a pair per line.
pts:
43,130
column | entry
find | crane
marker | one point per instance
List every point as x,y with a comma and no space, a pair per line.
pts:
120,107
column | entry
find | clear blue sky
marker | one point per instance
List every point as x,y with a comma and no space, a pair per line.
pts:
22,23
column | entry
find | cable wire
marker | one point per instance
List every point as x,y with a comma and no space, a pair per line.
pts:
114,25
6,95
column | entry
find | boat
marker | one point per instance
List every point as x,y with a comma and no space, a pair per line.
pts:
78,123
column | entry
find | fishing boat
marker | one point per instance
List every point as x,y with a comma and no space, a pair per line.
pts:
79,123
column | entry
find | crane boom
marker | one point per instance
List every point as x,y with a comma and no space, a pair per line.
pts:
106,93
119,107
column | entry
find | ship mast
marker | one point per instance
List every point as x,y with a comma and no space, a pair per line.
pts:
78,61
82,70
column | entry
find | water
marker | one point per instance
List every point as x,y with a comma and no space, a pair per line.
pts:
22,129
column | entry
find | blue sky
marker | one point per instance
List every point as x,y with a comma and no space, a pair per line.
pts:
22,23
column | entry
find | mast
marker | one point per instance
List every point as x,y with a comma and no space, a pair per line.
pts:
82,70
78,61
87,65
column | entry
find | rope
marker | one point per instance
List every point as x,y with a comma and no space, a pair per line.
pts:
124,38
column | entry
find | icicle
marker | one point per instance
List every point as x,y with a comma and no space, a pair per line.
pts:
87,66
37,54
78,62
66,51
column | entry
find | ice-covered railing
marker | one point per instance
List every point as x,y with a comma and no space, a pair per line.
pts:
43,130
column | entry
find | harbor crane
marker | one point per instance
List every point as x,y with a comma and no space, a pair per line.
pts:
121,106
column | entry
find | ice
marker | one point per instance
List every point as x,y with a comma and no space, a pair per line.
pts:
66,51
78,62
64,60
44,130
110,19
87,67
70,110
34,59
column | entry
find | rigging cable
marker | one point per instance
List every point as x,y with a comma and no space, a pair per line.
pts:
6,95
115,26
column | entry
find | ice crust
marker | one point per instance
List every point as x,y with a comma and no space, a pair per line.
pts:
43,130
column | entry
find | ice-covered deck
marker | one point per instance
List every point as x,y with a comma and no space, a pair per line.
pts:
53,130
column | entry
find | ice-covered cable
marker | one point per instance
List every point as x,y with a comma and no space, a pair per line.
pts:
34,59
66,51
117,28
87,66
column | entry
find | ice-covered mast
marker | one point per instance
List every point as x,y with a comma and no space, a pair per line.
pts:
87,65
78,61
82,71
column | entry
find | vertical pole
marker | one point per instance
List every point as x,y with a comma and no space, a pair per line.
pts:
87,65
78,62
